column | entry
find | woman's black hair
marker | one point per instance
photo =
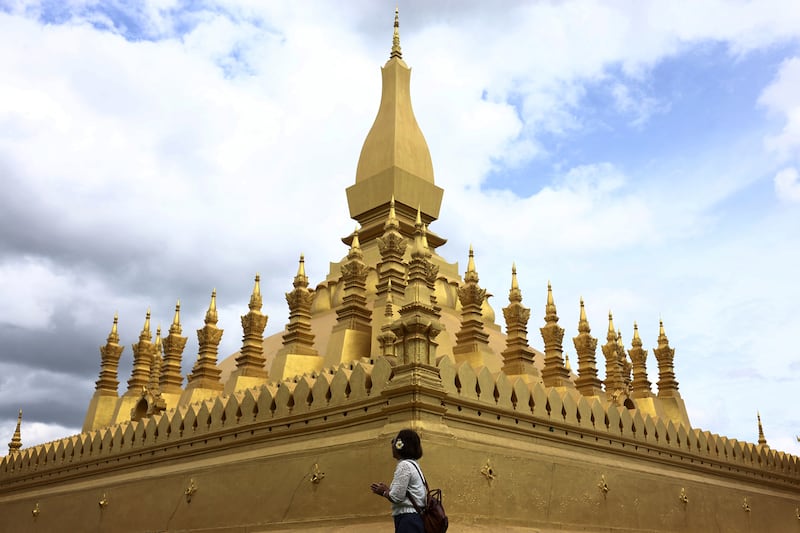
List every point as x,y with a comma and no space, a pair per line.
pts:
411,447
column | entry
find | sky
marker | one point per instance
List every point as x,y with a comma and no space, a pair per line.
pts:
642,155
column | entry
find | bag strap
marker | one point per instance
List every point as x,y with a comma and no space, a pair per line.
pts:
408,493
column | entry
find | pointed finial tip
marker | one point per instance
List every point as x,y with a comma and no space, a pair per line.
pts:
514,267
258,276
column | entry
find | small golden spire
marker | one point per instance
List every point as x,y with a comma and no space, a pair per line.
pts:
612,333
583,322
472,273
471,261
566,363
301,280
391,220
255,297
16,440
355,247
145,334
514,294
635,331
762,441
159,347
425,237
176,320
418,221
550,310
211,314
113,337
661,328
396,51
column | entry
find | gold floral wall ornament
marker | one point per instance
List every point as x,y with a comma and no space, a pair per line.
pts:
103,501
682,496
36,510
190,490
797,512
603,486
316,474
488,472
746,505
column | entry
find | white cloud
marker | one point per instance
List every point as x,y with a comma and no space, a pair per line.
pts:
210,155
787,185
782,97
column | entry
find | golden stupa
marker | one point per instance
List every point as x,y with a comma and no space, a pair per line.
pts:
288,433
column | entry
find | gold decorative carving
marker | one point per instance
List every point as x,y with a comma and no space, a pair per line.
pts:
316,474
682,496
746,505
103,501
488,472
36,510
602,485
190,490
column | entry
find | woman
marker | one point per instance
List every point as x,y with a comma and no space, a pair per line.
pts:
408,480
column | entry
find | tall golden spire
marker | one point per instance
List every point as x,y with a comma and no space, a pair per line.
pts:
251,361
641,385
554,373
613,382
392,266
142,359
518,357
157,361
351,336
205,373
109,360
16,440
667,384
299,338
171,380
386,338
587,383
395,160
472,341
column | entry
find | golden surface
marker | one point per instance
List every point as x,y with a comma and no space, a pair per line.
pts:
288,433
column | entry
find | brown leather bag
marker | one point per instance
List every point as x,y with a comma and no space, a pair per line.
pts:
433,515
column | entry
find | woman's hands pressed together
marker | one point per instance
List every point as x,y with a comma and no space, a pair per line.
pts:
381,489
